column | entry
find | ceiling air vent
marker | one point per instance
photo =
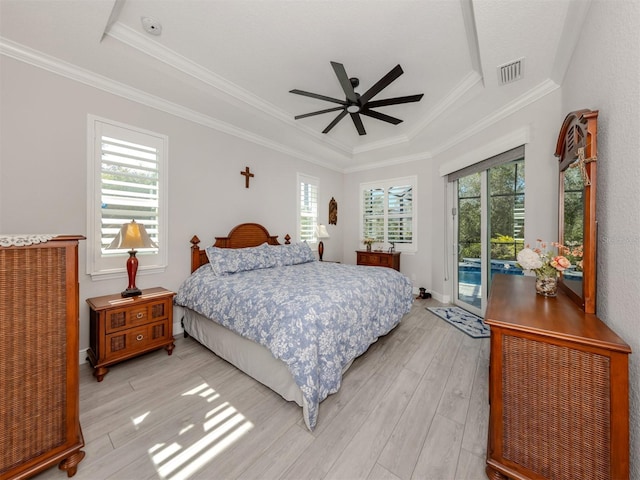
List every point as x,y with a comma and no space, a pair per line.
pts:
510,72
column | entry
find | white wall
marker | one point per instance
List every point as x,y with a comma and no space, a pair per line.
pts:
43,160
43,175
431,267
604,75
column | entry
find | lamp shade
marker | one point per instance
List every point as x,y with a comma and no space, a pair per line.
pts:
321,231
132,235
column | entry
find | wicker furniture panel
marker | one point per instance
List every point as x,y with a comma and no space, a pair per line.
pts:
559,388
39,413
556,412
120,328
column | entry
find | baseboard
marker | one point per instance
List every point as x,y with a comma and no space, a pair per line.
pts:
83,356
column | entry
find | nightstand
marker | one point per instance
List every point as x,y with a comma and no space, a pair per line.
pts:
379,259
123,328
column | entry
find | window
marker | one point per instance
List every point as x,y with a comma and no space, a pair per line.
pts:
126,181
388,212
307,208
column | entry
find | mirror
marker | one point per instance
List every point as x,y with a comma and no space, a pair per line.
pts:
577,152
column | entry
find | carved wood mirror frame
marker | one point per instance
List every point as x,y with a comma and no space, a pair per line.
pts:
577,150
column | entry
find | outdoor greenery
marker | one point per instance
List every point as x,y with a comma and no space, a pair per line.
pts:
573,207
506,212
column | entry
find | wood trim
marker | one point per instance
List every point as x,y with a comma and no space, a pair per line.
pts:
580,130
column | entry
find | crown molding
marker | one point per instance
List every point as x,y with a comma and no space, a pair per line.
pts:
533,95
469,81
514,139
59,67
149,47
390,162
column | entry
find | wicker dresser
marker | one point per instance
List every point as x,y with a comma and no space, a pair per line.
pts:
559,388
39,403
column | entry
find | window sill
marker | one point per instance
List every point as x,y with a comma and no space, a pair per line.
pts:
122,272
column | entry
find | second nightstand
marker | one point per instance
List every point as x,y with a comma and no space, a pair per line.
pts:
122,328
379,259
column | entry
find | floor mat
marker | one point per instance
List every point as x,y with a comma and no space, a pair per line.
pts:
469,323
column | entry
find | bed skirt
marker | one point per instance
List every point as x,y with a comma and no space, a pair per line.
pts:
248,356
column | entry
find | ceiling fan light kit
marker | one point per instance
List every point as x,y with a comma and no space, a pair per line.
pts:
356,104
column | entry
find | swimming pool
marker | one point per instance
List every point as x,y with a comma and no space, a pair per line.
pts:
469,270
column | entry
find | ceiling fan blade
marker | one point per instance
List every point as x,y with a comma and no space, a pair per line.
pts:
381,116
395,101
335,121
319,97
357,121
381,84
343,78
305,115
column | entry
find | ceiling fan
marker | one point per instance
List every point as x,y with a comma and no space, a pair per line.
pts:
356,104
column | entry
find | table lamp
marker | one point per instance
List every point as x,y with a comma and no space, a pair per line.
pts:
321,232
132,235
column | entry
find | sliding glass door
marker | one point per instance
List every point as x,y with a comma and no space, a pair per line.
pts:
488,228
469,230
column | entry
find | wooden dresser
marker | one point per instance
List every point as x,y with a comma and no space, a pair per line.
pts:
122,328
379,259
558,388
39,348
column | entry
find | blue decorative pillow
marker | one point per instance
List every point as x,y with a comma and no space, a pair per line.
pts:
225,261
292,254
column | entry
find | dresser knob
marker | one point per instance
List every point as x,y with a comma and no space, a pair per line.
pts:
139,337
140,315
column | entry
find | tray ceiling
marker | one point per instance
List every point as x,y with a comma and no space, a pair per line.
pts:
230,64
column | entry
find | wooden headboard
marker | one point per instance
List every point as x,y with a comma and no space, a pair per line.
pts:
241,236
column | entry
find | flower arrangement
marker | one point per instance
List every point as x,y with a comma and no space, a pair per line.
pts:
368,241
543,262
574,252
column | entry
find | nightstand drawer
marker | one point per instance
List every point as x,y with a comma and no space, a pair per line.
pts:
123,318
134,340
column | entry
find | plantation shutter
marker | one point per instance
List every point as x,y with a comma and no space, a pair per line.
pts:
373,212
389,213
400,214
129,187
308,209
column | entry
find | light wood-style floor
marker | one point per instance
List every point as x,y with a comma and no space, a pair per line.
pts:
414,406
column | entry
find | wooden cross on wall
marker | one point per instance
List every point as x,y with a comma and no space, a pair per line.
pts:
247,176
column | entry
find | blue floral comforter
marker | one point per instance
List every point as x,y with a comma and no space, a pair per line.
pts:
316,317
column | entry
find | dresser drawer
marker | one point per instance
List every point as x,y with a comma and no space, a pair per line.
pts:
128,342
128,317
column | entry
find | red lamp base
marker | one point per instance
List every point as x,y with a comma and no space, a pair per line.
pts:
132,269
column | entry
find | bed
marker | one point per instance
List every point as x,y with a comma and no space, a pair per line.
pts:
291,322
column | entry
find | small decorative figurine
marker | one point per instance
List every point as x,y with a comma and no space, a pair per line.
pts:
333,212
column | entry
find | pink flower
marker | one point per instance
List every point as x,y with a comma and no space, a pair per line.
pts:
560,263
